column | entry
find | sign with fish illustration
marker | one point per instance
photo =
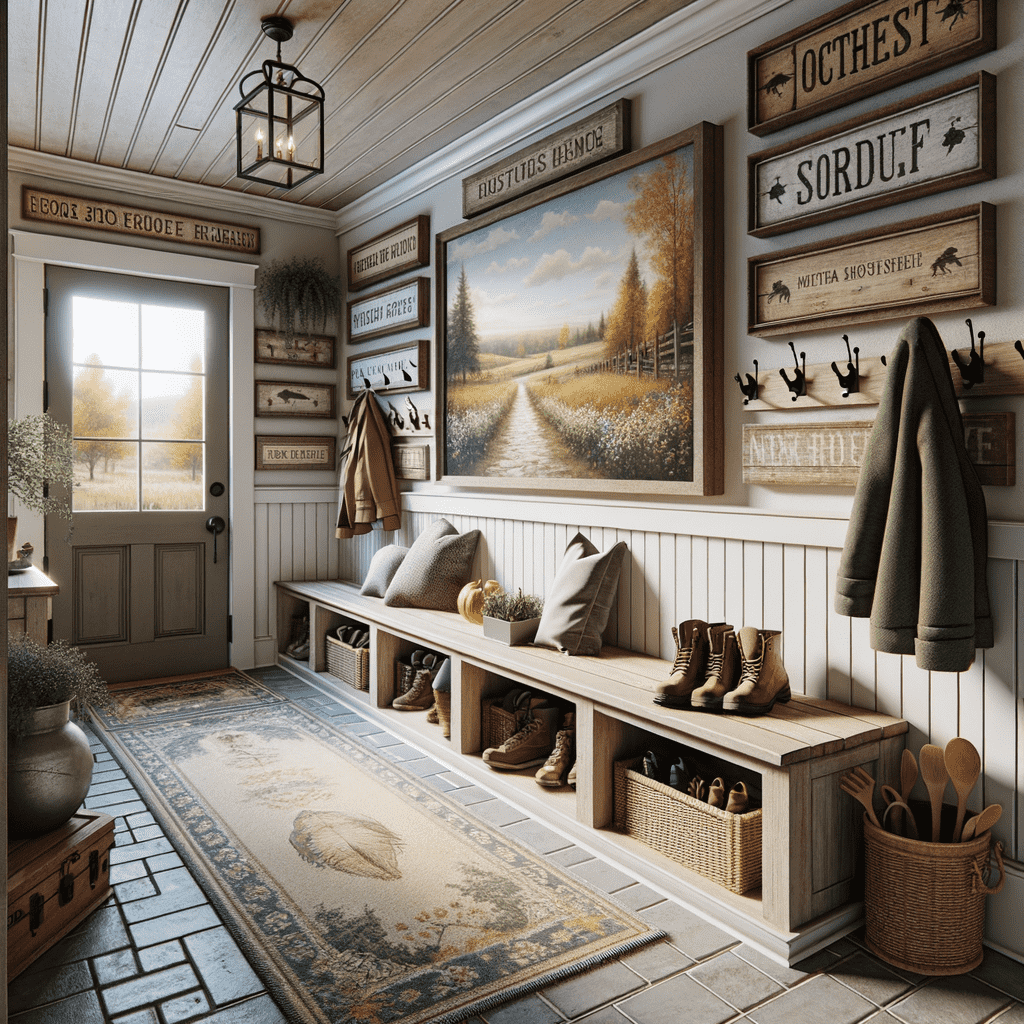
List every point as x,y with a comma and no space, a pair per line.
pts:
939,140
402,368
858,50
295,398
933,264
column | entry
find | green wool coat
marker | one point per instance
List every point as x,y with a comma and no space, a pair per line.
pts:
916,551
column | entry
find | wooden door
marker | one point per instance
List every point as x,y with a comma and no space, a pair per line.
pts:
138,368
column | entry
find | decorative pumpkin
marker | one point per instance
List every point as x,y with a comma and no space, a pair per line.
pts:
471,599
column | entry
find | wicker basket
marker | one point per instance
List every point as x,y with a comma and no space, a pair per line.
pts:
350,664
722,846
498,724
924,903
404,673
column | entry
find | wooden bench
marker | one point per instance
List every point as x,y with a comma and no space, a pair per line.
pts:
811,830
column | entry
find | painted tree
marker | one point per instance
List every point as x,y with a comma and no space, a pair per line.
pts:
98,413
627,321
188,424
463,355
662,214
564,336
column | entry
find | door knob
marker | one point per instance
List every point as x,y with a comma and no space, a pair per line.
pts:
215,525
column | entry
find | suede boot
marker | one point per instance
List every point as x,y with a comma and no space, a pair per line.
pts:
723,670
420,696
532,744
691,640
563,756
763,678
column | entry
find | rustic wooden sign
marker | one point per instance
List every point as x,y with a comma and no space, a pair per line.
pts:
314,350
939,140
394,309
589,141
100,215
280,452
858,50
406,247
932,264
402,368
831,454
410,461
295,398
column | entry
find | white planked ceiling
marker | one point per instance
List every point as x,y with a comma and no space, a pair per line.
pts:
150,85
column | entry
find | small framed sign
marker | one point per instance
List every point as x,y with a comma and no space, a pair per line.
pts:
406,247
932,264
860,49
281,452
295,398
410,461
939,140
399,308
402,368
315,350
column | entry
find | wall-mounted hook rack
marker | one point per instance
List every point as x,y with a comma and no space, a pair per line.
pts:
849,381
798,385
972,370
750,388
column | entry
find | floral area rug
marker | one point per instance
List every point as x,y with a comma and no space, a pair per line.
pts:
359,892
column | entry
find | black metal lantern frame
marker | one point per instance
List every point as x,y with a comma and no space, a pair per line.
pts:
279,122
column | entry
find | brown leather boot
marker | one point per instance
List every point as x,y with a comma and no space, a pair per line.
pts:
723,670
763,678
691,639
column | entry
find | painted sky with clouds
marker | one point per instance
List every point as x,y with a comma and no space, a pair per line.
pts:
560,262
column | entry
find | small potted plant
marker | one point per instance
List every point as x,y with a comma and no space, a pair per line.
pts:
40,469
49,763
511,619
298,295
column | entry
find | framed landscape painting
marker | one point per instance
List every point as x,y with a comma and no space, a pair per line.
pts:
580,330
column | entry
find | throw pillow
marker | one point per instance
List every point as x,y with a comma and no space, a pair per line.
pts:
577,609
383,567
437,567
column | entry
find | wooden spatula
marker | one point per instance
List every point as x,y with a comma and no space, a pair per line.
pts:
963,763
981,823
935,776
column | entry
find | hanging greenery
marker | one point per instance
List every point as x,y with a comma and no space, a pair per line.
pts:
298,296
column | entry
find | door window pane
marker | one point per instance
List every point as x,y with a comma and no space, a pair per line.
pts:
106,402
172,476
104,328
173,339
172,406
106,476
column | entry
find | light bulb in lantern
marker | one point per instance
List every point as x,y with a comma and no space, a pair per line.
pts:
259,143
291,147
277,148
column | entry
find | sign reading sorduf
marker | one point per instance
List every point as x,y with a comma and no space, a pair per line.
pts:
100,215
589,141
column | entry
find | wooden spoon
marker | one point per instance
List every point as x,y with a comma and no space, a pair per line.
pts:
963,762
935,776
981,823
908,775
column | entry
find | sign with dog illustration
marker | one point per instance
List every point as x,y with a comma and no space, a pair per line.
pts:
933,264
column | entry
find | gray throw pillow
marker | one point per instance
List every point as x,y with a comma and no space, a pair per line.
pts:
383,567
577,609
437,567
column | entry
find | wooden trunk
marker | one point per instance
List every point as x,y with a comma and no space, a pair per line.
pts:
53,882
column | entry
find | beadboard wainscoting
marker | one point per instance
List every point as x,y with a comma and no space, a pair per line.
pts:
745,568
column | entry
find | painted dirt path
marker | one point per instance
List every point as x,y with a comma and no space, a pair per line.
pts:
526,446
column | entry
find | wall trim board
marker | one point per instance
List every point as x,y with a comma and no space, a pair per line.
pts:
696,25
136,183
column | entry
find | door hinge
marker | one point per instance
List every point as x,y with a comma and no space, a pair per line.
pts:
229,628
46,302
46,395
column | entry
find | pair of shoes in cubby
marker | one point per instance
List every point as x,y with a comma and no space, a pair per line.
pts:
299,644
546,736
354,636
420,695
717,668
735,799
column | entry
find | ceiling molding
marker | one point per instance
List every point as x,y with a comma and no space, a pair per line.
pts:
136,185
679,34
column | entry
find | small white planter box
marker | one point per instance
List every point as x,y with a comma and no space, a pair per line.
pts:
510,633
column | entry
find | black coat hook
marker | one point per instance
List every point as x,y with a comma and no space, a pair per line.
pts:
1019,346
850,380
972,370
750,388
798,385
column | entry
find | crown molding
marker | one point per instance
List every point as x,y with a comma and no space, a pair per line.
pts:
673,37
76,173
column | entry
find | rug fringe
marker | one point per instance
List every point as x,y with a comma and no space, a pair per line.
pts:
525,988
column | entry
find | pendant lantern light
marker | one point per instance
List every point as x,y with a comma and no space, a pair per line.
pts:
279,122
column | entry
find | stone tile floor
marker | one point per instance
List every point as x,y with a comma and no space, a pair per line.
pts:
156,953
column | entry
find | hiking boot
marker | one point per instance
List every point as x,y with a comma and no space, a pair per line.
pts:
688,670
532,744
300,638
763,679
420,696
564,754
723,671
